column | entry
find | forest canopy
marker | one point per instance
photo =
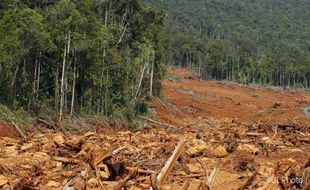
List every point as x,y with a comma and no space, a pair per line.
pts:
71,56
247,41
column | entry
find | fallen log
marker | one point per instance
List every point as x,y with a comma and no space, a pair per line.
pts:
39,120
159,123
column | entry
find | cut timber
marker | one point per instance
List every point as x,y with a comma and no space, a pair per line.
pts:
249,181
66,160
162,176
211,177
141,171
185,185
159,123
46,123
305,140
19,131
122,183
253,134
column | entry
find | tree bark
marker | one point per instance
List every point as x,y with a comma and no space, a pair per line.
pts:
62,92
73,87
38,76
141,78
152,76
62,83
35,75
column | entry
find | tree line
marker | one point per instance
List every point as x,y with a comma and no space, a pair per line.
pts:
266,42
74,57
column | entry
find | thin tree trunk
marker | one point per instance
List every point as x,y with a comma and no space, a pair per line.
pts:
35,74
152,76
38,76
65,107
57,87
106,17
106,92
15,75
122,36
62,83
66,74
34,84
73,87
102,80
140,81
62,92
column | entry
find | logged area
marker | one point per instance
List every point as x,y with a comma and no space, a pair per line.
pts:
194,100
204,135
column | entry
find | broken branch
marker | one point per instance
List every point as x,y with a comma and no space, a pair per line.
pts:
162,176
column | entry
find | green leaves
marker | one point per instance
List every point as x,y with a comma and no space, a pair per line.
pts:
97,66
230,40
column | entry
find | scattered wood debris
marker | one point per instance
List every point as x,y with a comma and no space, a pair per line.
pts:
127,160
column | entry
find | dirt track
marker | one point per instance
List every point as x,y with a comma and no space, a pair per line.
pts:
251,137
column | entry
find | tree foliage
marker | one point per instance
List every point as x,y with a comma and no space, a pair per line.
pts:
92,50
248,41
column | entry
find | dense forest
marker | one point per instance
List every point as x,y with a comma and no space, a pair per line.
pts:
247,41
72,57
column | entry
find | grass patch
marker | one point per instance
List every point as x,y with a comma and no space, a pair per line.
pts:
268,110
20,117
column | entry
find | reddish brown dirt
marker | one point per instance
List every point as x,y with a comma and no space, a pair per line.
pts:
7,131
192,100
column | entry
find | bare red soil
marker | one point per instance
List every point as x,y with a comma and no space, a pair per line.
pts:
7,131
192,100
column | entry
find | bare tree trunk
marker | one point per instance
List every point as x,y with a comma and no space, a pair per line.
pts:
38,76
62,92
62,83
106,17
15,75
35,74
102,80
73,87
56,87
34,85
152,77
65,107
140,81
106,92
123,24
122,36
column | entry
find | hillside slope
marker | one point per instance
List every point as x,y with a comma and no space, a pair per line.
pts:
193,100
265,42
